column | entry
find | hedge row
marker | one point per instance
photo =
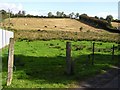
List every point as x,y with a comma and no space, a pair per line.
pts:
31,16
94,22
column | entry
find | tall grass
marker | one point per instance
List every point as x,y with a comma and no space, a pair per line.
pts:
66,35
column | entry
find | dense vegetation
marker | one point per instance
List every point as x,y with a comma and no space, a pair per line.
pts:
94,21
59,14
99,23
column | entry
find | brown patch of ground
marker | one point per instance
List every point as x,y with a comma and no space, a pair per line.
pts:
115,24
50,24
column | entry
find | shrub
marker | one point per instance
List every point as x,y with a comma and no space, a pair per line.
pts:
45,26
88,30
93,21
51,44
38,30
81,28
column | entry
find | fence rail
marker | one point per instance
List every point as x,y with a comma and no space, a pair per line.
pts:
70,62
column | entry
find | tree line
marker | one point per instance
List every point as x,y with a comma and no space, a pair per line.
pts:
97,22
59,14
100,22
94,21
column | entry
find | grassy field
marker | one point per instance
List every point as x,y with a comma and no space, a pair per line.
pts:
49,24
46,28
40,52
66,35
41,64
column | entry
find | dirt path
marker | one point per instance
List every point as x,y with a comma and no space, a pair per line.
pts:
115,83
111,79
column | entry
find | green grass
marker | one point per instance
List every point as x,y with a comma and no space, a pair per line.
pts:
41,64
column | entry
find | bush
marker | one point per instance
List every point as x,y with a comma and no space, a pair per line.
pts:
81,28
94,22
45,26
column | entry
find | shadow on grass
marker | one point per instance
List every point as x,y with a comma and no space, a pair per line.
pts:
49,70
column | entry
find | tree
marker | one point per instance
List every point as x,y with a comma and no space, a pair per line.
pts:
28,15
19,13
77,15
4,14
96,17
101,18
84,14
58,14
50,14
109,19
11,14
23,13
71,15
62,14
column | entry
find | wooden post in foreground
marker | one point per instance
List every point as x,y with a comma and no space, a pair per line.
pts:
113,49
10,61
69,68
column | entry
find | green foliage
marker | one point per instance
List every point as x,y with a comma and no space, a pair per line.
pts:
96,17
118,21
71,15
77,15
21,13
101,18
50,14
60,14
93,21
109,19
4,15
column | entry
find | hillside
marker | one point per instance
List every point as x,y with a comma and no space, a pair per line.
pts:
51,28
49,24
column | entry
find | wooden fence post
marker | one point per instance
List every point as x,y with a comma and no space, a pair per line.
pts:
118,59
93,49
113,50
10,61
87,59
69,67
